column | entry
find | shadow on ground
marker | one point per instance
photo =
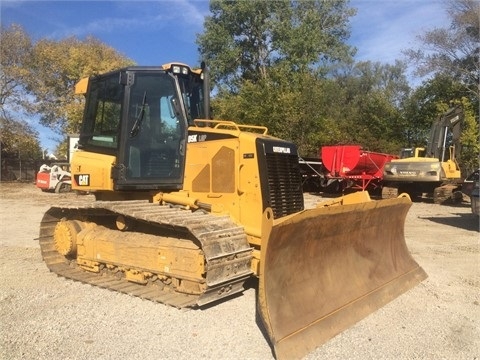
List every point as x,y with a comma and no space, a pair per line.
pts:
470,222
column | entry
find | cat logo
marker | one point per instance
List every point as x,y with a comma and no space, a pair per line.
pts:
83,179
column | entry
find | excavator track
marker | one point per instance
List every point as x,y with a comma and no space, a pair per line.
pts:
224,244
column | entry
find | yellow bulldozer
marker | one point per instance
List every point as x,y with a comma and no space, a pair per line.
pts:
187,209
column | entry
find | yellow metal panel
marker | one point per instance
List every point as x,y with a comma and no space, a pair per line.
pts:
201,182
223,171
81,86
251,200
451,169
91,171
136,251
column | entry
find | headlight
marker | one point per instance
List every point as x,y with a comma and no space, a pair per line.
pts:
177,69
390,168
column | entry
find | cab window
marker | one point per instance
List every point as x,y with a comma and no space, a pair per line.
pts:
104,109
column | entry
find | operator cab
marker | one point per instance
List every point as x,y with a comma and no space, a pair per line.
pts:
406,153
141,115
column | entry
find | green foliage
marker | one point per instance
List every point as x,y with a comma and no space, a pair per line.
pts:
371,105
429,100
421,108
470,138
285,65
312,111
243,40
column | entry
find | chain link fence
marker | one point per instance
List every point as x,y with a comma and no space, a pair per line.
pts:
21,170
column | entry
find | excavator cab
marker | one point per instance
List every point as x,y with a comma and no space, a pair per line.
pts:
139,118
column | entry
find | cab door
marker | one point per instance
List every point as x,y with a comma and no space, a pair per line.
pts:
152,153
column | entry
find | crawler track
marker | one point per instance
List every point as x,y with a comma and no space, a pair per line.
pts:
224,244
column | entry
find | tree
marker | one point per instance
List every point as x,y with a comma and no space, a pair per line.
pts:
54,69
454,50
17,137
244,40
428,102
421,108
267,59
452,55
38,79
15,52
469,139
371,109
289,112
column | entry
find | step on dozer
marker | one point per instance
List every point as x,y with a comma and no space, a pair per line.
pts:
322,270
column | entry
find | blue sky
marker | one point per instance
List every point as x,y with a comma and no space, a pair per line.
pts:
157,32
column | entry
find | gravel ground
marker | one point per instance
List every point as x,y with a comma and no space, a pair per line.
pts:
47,317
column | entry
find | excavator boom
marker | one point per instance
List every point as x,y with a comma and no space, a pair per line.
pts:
433,170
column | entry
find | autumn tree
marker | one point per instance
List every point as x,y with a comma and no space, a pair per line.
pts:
37,79
15,51
17,136
55,68
19,139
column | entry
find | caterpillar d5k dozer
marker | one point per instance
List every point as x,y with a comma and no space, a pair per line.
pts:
188,209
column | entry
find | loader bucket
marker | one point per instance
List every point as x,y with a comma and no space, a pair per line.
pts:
322,270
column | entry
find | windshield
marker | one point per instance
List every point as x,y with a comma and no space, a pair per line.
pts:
155,127
191,88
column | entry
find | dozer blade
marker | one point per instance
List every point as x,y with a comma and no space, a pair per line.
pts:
322,270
